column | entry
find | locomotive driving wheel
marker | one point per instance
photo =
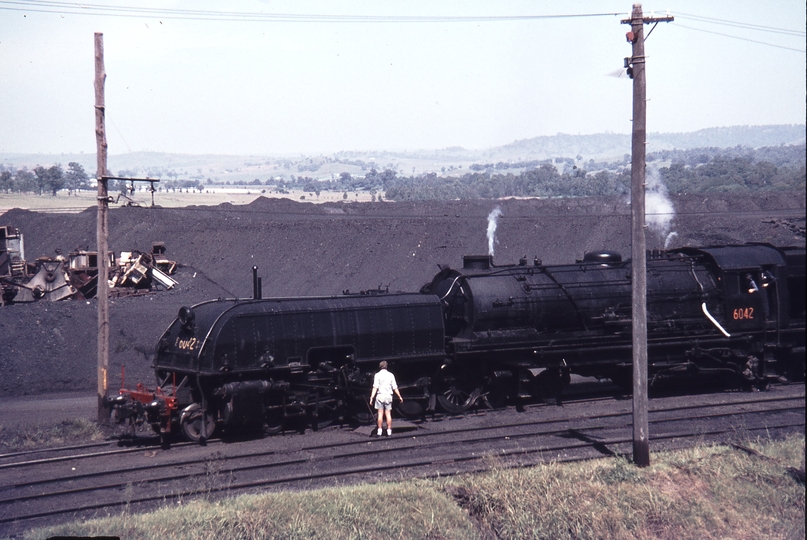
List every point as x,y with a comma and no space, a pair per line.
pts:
457,396
193,420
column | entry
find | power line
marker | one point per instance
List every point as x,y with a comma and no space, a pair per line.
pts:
739,24
235,16
741,38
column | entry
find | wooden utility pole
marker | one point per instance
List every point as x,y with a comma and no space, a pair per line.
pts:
641,436
102,230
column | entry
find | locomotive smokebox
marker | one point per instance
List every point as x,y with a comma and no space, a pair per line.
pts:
477,262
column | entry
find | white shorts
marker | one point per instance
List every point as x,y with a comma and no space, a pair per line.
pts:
383,405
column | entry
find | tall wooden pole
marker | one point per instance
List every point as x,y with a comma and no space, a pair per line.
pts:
641,441
641,435
102,230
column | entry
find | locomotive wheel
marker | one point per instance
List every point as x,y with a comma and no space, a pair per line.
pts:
273,422
548,386
325,415
360,411
410,408
455,400
495,398
191,422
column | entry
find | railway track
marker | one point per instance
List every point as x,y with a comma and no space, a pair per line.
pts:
51,486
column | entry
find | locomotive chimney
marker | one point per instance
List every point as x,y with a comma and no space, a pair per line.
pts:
477,262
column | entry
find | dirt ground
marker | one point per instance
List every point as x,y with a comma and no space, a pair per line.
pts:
304,249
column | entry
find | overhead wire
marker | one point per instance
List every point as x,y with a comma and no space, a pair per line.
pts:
741,38
236,16
739,24
120,134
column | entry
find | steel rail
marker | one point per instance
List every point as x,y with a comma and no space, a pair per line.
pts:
422,435
373,452
350,471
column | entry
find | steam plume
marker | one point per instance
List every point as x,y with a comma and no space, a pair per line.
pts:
669,239
493,219
659,208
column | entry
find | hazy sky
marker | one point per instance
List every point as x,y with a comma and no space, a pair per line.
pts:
403,76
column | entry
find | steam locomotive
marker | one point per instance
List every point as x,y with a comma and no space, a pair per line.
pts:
482,334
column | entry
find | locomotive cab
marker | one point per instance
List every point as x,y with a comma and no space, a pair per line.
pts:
754,286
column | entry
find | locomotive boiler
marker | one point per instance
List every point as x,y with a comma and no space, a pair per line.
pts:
736,310
482,334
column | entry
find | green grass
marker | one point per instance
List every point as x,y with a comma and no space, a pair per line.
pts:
704,492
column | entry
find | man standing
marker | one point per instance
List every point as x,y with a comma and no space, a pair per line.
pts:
383,386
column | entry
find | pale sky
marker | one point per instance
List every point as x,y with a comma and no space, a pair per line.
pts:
407,75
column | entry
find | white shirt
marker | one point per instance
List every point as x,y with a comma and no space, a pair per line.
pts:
384,383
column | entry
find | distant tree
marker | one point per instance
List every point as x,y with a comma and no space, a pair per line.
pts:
25,181
51,179
6,181
75,178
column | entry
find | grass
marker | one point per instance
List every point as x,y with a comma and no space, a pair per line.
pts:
705,492
31,437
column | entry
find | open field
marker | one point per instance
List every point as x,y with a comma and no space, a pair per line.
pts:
81,200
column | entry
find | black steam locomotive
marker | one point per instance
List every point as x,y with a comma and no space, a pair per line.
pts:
481,335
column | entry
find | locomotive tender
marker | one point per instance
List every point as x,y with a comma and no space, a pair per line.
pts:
482,334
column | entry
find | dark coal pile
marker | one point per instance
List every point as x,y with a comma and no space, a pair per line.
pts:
306,249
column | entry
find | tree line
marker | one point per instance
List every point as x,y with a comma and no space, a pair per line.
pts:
42,180
50,180
702,170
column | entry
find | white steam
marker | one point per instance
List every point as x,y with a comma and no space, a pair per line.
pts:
669,239
659,210
493,220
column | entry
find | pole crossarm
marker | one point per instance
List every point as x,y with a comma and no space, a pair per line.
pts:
649,20
127,179
152,181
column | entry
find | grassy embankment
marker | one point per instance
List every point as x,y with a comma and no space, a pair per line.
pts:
704,492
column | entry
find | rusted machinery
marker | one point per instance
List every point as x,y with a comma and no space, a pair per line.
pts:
76,276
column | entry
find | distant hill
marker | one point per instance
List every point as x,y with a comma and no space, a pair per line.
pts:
604,145
246,168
